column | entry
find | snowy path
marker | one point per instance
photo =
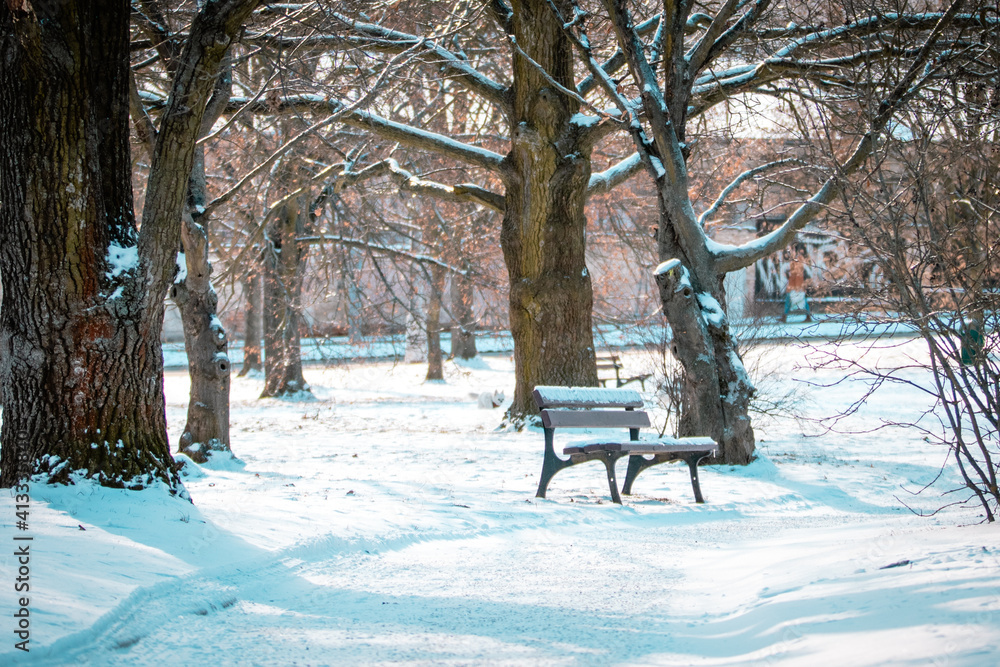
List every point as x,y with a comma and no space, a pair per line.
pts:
419,541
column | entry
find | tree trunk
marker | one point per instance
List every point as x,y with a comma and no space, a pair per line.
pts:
82,367
435,364
463,338
253,293
205,340
283,273
542,236
415,350
717,389
206,344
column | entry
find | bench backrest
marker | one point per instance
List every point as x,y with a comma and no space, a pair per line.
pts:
587,407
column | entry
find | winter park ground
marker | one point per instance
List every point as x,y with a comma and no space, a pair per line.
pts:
388,521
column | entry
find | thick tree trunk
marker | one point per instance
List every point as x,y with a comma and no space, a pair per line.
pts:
254,297
435,364
463,337
548,170
283,267
82,367
207,428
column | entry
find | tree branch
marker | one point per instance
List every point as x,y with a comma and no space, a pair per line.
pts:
729,258
614,175
739,180
382,249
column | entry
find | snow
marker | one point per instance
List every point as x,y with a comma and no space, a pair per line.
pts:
584,120
711,311
182,268
389,521
587,396
614,173
121,260
666,267
657,166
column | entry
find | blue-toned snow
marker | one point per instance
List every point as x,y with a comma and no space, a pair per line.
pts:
388,521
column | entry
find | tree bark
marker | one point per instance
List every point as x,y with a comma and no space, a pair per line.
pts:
206,344
82,366
254,297
463,337
435,364
205,340
283,262
542,236
84,288
415,333
717,389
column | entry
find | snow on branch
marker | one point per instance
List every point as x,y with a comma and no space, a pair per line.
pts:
698,55
730,258
406,181
447,61
351,115
615,175
373,37
713,87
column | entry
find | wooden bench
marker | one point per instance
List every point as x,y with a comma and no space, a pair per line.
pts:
591,407
612,362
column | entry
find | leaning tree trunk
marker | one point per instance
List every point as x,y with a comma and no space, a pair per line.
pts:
717,389
283,274
207,427
82,366
253,296
205,340
542,236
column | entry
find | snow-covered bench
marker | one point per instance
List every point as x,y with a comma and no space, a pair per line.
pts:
598,408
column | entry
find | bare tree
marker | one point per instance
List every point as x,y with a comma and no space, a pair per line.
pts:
84,287
926,224
205,340
544,171
790,52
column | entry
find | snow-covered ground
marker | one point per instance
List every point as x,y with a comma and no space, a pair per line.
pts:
387,521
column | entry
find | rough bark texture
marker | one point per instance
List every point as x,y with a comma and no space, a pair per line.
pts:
79,342
283,262
254,296
463,337
206,344
717,390
205,341
84,289
435,363
546,177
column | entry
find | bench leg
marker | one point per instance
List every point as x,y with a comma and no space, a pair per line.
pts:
551,464
609,460
692,461
636,464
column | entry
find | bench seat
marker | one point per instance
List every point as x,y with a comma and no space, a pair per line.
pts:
641,447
